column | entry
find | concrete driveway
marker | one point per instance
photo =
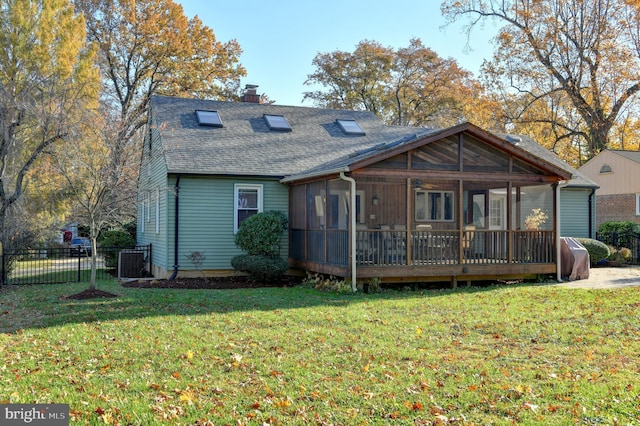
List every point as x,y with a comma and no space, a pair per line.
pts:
624,276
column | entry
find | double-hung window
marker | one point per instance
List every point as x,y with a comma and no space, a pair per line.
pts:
434,206
247,201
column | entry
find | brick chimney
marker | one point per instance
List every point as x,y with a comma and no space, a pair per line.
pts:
250,94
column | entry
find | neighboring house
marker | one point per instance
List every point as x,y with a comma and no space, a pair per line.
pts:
364,199
617,174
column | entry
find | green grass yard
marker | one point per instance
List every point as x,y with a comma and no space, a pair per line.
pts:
525,354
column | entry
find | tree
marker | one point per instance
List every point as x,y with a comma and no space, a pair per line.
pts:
407,86
149,47
99,189
580,58
47,74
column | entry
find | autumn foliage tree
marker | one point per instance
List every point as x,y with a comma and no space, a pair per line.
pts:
149,47
569,68
405,86
47,75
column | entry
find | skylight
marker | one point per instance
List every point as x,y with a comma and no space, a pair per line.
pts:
350,127
277,122
208,118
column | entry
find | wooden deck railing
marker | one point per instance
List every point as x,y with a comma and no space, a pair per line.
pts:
376,247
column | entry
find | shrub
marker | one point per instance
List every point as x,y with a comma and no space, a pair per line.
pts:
261,267
331,283
118,240
619,234
598,251
260,233
619,227
621,255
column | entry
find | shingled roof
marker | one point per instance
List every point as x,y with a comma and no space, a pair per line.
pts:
246,146
629,155
578,179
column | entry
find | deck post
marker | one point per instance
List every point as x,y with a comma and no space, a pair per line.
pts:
352,230
556,230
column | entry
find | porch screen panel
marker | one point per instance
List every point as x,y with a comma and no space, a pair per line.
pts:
297,222
316,221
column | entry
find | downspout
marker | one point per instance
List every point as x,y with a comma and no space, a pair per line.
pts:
352,230
556,190
176,228
593,191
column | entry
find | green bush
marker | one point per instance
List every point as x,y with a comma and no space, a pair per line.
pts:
619,227
261,267
624,233
260,234
118,240
598,251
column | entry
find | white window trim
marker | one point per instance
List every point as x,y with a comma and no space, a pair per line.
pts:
638,204
236,188
427,218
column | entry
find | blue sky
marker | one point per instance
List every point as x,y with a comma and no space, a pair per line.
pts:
280,38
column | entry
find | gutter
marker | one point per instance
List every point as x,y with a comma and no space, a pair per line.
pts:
176,228
352,229
593,192
319,173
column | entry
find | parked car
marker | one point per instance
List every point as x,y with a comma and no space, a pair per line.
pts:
80,247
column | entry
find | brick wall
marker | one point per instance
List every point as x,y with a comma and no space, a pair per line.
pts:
616,208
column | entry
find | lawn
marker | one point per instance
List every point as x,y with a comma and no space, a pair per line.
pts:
522,354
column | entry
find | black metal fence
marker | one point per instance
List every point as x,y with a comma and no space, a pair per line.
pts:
62,265
630,240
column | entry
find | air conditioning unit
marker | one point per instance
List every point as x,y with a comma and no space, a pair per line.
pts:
131,264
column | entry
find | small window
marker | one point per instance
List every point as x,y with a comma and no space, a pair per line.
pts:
248,201
277,122
350,127
637,204
208,118
434,206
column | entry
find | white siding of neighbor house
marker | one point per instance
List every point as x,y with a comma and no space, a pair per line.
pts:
624,177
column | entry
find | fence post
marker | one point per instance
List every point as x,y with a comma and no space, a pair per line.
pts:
79,264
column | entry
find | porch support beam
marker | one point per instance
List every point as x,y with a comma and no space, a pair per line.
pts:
352,230
455,175
461,220
408,238
556,230
510,233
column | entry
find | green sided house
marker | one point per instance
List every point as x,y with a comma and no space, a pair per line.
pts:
364,200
